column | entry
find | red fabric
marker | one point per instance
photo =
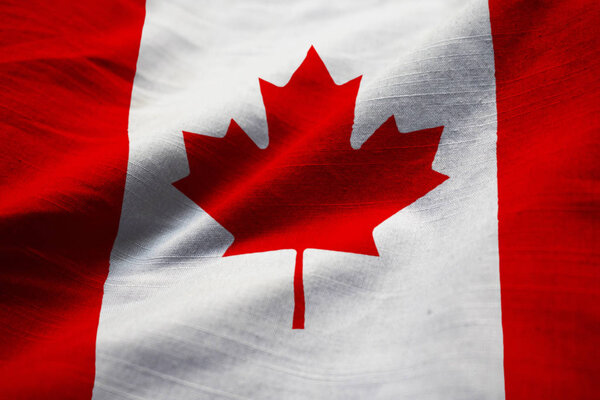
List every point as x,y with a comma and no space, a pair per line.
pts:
547,82
66,73
66,70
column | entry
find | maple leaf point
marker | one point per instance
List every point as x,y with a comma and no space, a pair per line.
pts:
309,188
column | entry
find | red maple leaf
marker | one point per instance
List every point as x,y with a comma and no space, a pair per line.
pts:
309,188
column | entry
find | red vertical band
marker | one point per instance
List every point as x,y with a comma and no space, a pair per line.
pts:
66,74
547,79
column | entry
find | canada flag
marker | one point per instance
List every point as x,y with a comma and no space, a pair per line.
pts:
300,200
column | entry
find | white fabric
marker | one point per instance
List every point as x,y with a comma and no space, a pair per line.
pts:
422,321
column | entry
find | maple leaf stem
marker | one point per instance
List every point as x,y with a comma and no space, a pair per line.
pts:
298,322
